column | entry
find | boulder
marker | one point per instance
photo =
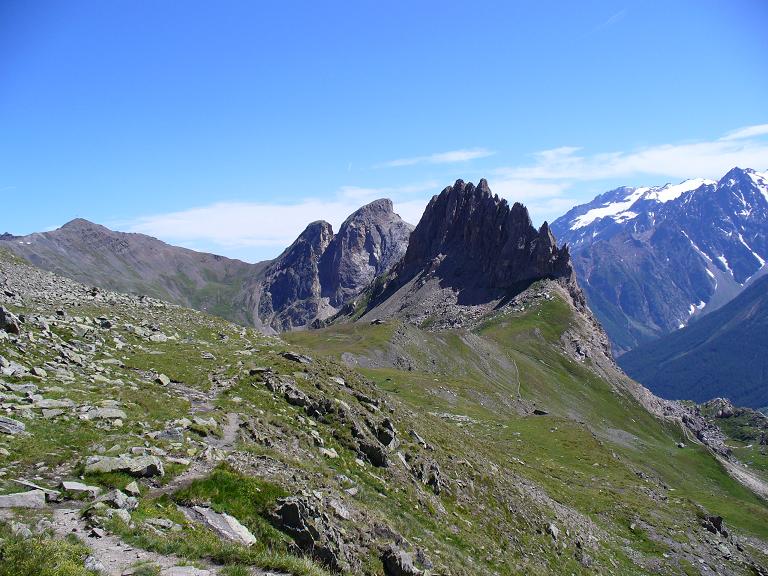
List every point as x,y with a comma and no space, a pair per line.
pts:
141,466
76,489
11,426
312,531
9,322
225,526
300,358
397,562
118,499
376,454
30,499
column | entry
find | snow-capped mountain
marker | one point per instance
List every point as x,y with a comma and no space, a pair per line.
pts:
651,259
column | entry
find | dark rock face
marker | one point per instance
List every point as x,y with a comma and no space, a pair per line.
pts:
471,238
320,271
651,259
312,530
369,243
470,252
291,284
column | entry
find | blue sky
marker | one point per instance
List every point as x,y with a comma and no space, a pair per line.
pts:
227,126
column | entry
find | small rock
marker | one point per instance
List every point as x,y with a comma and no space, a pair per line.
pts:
553,531
329,452
39,372
92,564
118,499
133,489
21,530
185,571
397,562
163,380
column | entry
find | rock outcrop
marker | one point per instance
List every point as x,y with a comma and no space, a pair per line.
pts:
320,272
470,249
472,239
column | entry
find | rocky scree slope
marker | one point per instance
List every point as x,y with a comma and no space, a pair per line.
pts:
311,279
158,435
651,259
725,353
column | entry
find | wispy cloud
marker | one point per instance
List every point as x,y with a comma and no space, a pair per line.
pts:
264,227
709,159
556,179
451,157
747,132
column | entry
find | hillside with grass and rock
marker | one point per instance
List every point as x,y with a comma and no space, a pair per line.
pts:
141,437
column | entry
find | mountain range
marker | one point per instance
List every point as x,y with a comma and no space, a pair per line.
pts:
652,259
649,260
455,410
311,280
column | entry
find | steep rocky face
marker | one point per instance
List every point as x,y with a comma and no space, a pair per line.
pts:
470,249
320,271
470,238
368,243
652,259
290,288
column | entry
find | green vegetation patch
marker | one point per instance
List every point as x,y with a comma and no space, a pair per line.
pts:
41,556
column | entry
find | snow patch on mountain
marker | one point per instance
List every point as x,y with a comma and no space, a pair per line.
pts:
610,209
620,211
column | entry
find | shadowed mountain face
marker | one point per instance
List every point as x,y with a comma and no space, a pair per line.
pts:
651,259
470,248
725,353
311,279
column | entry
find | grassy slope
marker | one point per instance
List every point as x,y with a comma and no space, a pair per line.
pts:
486,521
586,453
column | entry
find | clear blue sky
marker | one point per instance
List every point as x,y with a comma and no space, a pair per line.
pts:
227,125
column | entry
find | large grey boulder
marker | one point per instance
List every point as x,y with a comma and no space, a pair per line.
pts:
141,466
225,526
30,499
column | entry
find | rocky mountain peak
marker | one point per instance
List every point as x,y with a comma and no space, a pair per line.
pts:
471,237
382,206
79,224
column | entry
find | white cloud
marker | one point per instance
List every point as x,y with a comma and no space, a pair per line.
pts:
451,157
267,228
708,159
747,132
